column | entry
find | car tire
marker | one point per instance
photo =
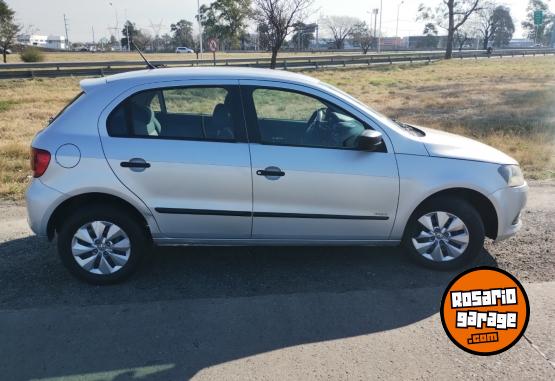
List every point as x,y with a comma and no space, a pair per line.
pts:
444,234
95,227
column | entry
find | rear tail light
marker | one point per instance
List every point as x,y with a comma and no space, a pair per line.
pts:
39,161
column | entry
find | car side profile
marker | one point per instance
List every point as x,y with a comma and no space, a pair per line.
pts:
237,156
183,49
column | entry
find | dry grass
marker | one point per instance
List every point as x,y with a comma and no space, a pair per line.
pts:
508,103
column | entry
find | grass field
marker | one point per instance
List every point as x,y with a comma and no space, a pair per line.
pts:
507,103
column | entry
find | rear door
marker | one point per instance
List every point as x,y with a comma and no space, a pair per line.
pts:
182,149
310,182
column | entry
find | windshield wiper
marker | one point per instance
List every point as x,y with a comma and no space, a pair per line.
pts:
408,127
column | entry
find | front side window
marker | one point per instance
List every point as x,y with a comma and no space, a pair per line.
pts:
290,118
200,113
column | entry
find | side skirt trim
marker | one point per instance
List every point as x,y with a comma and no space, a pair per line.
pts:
209,212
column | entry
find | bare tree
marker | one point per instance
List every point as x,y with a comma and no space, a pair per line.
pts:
495,24
340,27
449,15
485,22
362,34
279,16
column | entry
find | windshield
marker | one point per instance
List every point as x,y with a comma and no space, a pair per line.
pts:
377,115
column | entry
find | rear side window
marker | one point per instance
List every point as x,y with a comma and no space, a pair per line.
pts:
199,113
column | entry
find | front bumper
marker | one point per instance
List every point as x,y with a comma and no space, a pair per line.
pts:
41,201
509,203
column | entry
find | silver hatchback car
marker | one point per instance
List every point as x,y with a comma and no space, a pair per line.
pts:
220,156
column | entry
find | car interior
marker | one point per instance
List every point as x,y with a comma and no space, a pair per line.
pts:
146,114
137,116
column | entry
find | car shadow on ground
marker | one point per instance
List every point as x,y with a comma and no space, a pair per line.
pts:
191,308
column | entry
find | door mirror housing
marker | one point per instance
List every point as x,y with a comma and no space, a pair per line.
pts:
370,140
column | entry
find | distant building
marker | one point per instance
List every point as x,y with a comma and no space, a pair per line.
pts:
427,42
48,42
520,43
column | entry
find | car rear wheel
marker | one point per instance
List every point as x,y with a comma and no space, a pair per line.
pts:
101,245
444,234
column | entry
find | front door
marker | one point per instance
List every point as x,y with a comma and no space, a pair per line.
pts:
183,151
310,182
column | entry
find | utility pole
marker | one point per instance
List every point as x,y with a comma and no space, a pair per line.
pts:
397,26
92,27
66,25
375,12
199,28
380,34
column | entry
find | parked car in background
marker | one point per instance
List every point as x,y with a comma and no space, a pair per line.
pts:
238,156
184,49
8,51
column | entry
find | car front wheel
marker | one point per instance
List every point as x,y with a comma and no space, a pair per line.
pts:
444,234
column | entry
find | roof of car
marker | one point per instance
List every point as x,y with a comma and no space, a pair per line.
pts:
179,73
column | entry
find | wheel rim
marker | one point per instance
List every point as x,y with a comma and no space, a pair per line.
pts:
440,236
101,247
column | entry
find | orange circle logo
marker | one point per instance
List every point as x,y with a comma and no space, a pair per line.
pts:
485,311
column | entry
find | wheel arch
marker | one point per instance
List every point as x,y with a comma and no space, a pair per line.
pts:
76,201
482,203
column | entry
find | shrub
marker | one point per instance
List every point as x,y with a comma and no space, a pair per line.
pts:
32,54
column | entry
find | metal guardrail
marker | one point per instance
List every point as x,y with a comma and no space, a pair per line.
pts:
95,68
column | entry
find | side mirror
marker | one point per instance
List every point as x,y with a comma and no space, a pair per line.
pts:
369,140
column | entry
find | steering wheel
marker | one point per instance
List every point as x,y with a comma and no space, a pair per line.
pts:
315,121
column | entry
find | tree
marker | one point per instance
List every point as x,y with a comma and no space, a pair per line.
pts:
449,15
279,16
541,33
8,28
142,40
262,30
302,35
340,27
182,33
495,25
461,37
363,36
504,26
430,39
129,30
226,20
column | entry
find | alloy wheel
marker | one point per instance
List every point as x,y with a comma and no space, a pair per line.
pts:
101,247
440,236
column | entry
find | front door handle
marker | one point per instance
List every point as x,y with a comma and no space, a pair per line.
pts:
135,164
272,173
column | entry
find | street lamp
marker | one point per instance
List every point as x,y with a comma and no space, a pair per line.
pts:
380,35
397,27
199,28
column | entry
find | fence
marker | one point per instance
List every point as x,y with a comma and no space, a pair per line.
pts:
101,68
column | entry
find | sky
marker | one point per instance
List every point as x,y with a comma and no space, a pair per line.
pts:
47,16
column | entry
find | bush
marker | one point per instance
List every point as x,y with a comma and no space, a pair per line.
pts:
31,54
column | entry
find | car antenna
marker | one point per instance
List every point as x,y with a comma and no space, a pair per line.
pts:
148,63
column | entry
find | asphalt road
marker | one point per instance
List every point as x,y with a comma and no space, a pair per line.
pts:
262,313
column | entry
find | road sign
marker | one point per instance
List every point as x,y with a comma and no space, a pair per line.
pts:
213,44
538,17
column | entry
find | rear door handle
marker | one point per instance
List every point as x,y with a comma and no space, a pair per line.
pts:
130,164
136,164
270,172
